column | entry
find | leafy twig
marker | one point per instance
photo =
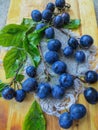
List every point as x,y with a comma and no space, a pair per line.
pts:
45,67
17,71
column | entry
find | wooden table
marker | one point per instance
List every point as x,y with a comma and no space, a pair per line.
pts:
13,113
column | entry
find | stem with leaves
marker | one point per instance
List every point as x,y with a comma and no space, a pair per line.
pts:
17,71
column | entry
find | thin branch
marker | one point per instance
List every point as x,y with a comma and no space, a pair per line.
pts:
80,79
64,32
76,77
67,5
45,67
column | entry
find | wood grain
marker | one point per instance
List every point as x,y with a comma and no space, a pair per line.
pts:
12,113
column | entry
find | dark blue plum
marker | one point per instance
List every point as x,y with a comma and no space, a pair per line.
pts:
66,80
20,95
73,42
29,85
59,67
51,57
50,6
97,96
97,76
65,120
60,3
54,45
40,26
47,15
77,111
91,76
90,95
49,33
80,56
57,92
68,51
36,15
31,71
86,41
58,21
44,90
66,18
8,93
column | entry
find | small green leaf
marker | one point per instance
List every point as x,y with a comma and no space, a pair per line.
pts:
35,58
35,37
12,61
29,22
34,120
19,77
33,52
34,55
74,24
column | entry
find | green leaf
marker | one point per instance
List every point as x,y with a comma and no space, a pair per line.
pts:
74,24
19,77
29,22
12,61
13,29
33,52
35,37
7,40
34,120
34,55
12,35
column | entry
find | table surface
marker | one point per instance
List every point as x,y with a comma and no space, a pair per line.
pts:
12,113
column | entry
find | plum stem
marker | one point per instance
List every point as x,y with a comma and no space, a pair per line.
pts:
80,79
76,77
67,5
45,67
64,33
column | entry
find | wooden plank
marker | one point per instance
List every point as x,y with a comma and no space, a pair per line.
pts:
15,112
89,26
14,11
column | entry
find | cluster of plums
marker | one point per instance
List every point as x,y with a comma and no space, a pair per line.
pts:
58,21
54,46
43,90
66,80
49,17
